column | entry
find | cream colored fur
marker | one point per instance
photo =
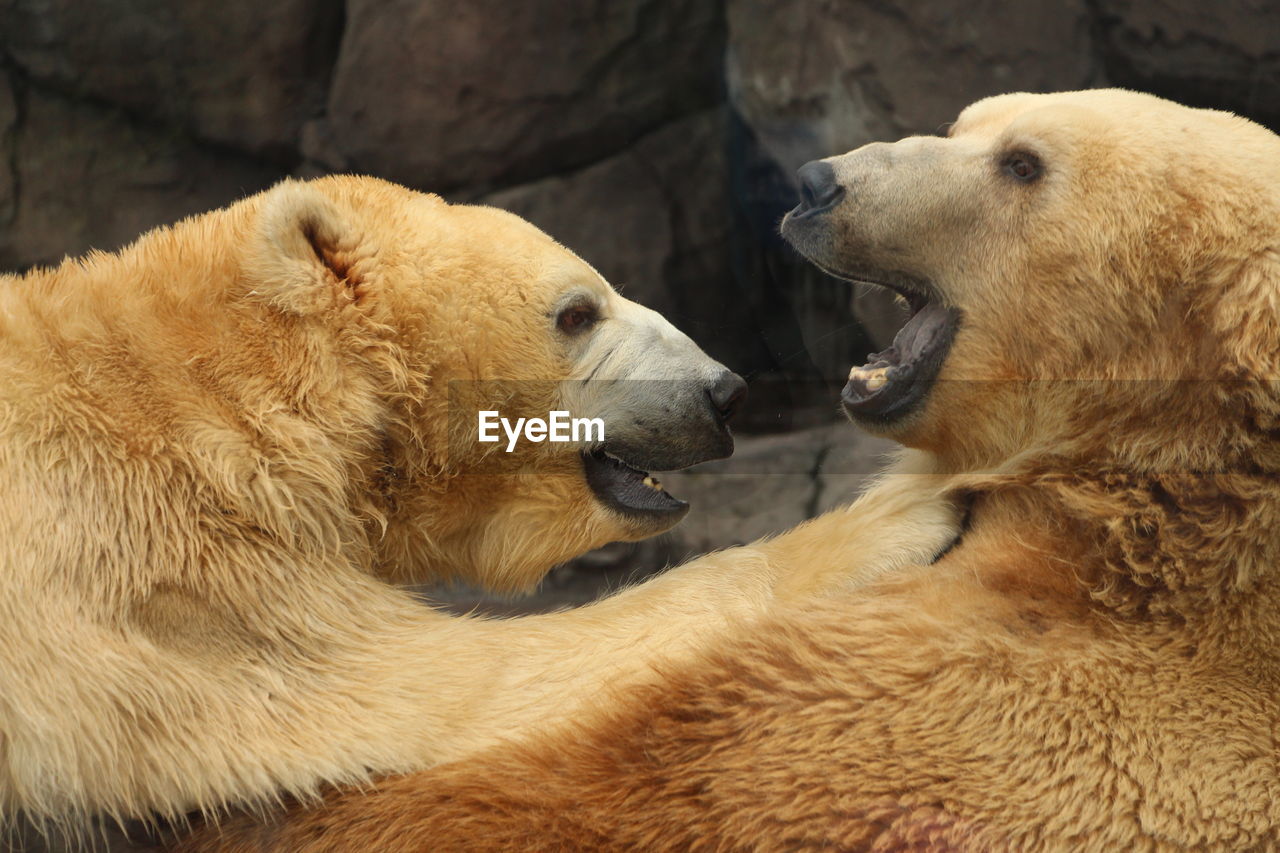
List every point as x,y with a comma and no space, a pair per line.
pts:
216,447
1094,665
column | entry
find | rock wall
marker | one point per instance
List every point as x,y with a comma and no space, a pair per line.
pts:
658,138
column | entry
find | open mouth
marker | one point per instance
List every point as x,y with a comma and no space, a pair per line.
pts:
627,489
894,381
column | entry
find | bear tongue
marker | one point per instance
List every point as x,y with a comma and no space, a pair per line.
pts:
877,360
919,332
896,362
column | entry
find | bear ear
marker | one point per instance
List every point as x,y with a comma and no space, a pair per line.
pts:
302,249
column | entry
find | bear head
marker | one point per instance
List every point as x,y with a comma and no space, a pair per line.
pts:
433,322
1089,275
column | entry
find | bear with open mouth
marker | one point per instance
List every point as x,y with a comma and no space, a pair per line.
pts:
1092,368
218,445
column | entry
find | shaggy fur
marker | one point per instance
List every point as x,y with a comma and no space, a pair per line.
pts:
1096,664
218,444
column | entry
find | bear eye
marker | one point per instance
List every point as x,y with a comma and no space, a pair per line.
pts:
1022,165
576,318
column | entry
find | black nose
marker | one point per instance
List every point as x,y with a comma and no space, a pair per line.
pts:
819,189
727,393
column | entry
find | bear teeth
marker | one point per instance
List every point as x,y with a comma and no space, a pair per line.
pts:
873,378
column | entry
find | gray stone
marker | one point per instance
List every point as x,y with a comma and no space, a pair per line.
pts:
814,77
767,486
8,130
614,214
241,72
653,219
89,178
438,94
1224,54
772,483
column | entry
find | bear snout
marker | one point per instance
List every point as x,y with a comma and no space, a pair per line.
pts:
819,189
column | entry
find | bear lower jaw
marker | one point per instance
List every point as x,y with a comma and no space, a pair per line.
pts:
895,381
629,490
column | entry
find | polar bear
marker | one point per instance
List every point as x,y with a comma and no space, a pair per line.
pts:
1092,364
218,445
